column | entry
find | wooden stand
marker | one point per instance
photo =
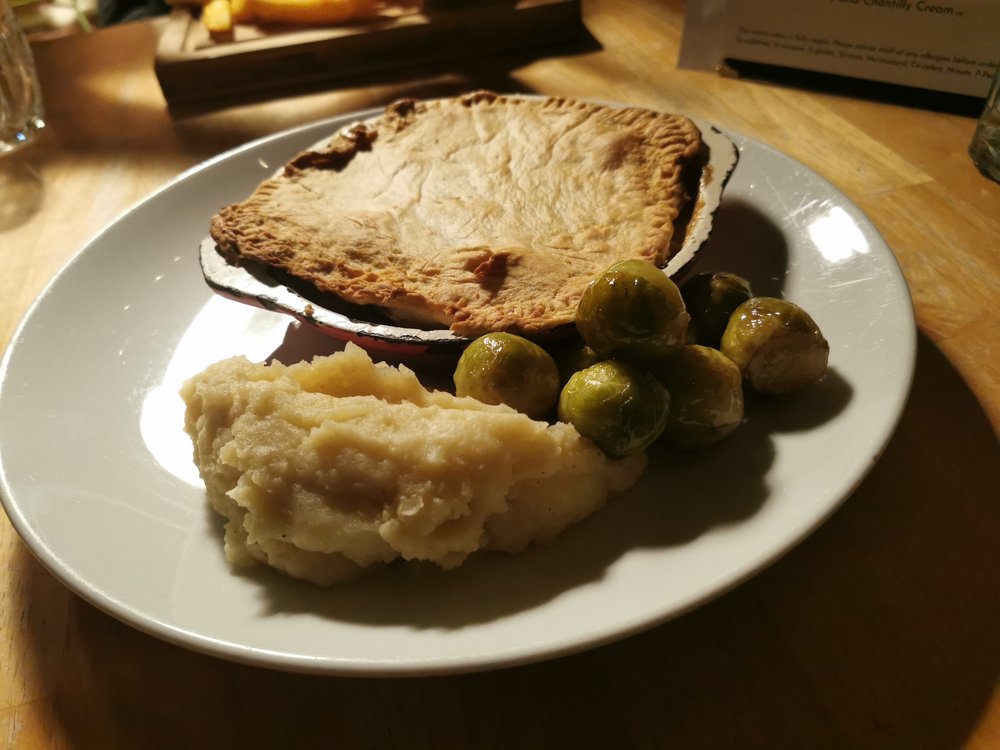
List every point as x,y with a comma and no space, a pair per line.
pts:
259,62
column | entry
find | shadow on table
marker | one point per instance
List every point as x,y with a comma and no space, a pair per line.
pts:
220,130
858,88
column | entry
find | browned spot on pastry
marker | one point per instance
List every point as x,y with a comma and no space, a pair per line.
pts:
339,154
495,265
488,263
490,269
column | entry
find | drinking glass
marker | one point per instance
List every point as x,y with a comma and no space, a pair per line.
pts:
21,114
985,147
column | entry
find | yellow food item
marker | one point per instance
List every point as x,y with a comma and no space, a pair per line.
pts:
326,468
217,17
310,11
240,10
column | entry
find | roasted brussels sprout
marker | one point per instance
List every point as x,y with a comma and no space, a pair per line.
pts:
573,358
776,345
710,298
706,396
501,368
621,408
632,311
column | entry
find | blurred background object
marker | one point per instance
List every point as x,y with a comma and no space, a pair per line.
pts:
941,48
985,147
207,65
110,12
21,113
45,19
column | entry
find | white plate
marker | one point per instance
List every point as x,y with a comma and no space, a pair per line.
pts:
96,475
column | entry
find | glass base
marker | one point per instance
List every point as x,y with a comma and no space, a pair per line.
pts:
11,141
987,159
21,191
985,146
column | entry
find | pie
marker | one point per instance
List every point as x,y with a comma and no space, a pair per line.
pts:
477,213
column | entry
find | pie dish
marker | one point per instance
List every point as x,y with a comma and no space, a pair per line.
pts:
470,214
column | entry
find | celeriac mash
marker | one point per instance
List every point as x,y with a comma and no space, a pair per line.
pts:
326,468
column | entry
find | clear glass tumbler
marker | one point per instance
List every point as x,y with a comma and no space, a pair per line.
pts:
985,147
21,113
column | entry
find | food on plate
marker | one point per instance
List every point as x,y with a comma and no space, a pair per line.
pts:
632,310
776,344
479,213
621,408
706,396
310,11
502,368
240,10
326,468
219,16
710,298
574,356
633,313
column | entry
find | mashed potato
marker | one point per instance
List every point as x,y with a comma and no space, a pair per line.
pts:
326,468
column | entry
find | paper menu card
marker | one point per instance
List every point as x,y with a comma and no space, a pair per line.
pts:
941,45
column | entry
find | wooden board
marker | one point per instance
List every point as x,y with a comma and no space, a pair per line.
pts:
260,62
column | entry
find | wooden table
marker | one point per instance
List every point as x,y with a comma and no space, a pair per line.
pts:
882,630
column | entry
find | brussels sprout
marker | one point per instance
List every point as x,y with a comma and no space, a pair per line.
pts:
621,408
776,345
573,358
501,368
706,396
710,298
632,311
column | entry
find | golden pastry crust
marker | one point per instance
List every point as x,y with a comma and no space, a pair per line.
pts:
478,213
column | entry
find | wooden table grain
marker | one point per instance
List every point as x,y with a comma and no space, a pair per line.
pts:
881,630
